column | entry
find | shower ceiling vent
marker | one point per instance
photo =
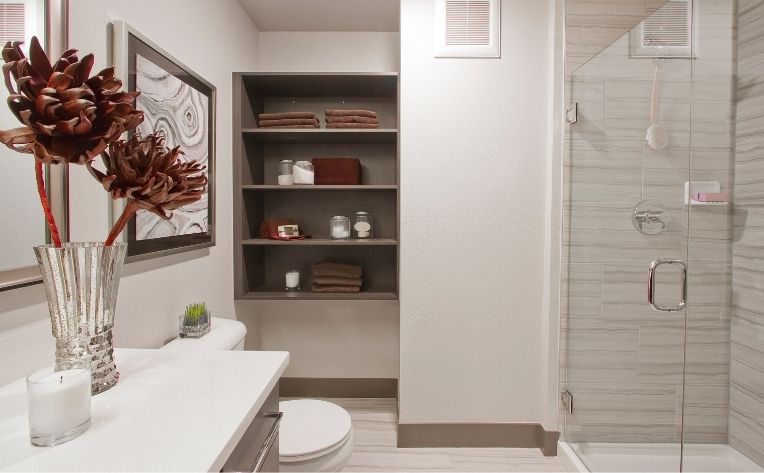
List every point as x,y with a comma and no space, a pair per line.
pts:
667,33
467,28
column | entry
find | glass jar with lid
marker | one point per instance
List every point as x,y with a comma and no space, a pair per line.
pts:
303,173
286,172
363,226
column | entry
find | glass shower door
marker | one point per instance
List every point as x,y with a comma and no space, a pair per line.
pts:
627,174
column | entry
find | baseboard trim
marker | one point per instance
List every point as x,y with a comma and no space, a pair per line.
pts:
463,435
339,387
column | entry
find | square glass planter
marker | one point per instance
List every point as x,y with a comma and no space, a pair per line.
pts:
195,328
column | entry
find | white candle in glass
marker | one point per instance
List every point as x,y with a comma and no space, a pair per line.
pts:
340,232
339,227
293,280
59,405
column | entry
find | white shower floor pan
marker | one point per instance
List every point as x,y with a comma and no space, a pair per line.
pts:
653,457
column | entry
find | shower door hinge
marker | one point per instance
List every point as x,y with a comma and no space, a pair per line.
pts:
572,113
566,401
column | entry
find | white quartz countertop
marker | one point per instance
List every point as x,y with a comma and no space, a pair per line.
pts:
170,411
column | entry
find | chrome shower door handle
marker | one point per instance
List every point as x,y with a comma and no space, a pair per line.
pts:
651,285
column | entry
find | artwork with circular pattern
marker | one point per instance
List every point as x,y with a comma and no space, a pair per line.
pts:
179,112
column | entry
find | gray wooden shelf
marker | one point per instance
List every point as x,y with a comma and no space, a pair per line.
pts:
322,135
319,296
260,264
320,242
363,187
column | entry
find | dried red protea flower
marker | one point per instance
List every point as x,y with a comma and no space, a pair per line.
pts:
69,116
150,177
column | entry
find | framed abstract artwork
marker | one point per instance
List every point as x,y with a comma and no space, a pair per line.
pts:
180,105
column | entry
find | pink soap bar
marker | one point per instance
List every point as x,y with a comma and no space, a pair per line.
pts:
711,197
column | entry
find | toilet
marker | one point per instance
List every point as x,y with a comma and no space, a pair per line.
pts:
314,435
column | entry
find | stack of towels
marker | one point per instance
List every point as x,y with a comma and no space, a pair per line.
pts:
351,119
288,120
337,278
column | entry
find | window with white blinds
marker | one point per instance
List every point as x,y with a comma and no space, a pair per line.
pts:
666,33
11,22
467,28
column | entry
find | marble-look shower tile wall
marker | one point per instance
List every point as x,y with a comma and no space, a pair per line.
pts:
622,361
746,422
592,25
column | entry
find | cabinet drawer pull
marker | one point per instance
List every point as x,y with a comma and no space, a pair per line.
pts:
269,441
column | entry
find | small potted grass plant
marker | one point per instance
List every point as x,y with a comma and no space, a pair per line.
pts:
195,321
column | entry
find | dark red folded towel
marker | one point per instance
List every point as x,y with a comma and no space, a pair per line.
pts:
337,171
337,270
351,125
350,113
313,127
290,122
335,281
335,289
367,120
285,115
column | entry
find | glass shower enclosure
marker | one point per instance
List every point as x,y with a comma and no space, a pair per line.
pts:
662,327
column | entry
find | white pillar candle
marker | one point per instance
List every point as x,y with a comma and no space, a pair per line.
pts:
59,405
293,280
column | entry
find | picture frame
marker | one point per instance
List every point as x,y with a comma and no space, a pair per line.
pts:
169,90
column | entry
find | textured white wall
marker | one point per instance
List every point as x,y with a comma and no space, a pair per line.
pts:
213,39
475,136
328,339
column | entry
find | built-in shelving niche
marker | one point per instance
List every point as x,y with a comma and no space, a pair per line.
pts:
260,264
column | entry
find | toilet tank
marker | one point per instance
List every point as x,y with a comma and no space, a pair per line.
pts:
224,334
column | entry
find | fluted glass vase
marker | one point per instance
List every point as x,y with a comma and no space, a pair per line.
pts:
81,282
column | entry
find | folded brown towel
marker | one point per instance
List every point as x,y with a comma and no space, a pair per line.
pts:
336,289
351,125
290,122
285,115
327,281
367,120
350,113
313,127
337,270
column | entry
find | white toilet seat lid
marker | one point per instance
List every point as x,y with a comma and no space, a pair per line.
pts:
310,427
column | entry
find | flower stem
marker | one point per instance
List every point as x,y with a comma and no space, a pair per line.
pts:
127,214
52,227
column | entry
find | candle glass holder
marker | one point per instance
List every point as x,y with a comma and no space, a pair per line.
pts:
339,228
59,404
292,280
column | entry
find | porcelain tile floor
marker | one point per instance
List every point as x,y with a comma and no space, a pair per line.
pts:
374,427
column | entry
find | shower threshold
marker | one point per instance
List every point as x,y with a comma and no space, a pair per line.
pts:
652,457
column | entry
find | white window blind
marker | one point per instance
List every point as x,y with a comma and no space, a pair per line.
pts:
467,28
11,22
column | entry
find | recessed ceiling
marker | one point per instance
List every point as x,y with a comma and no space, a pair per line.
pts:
323,15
